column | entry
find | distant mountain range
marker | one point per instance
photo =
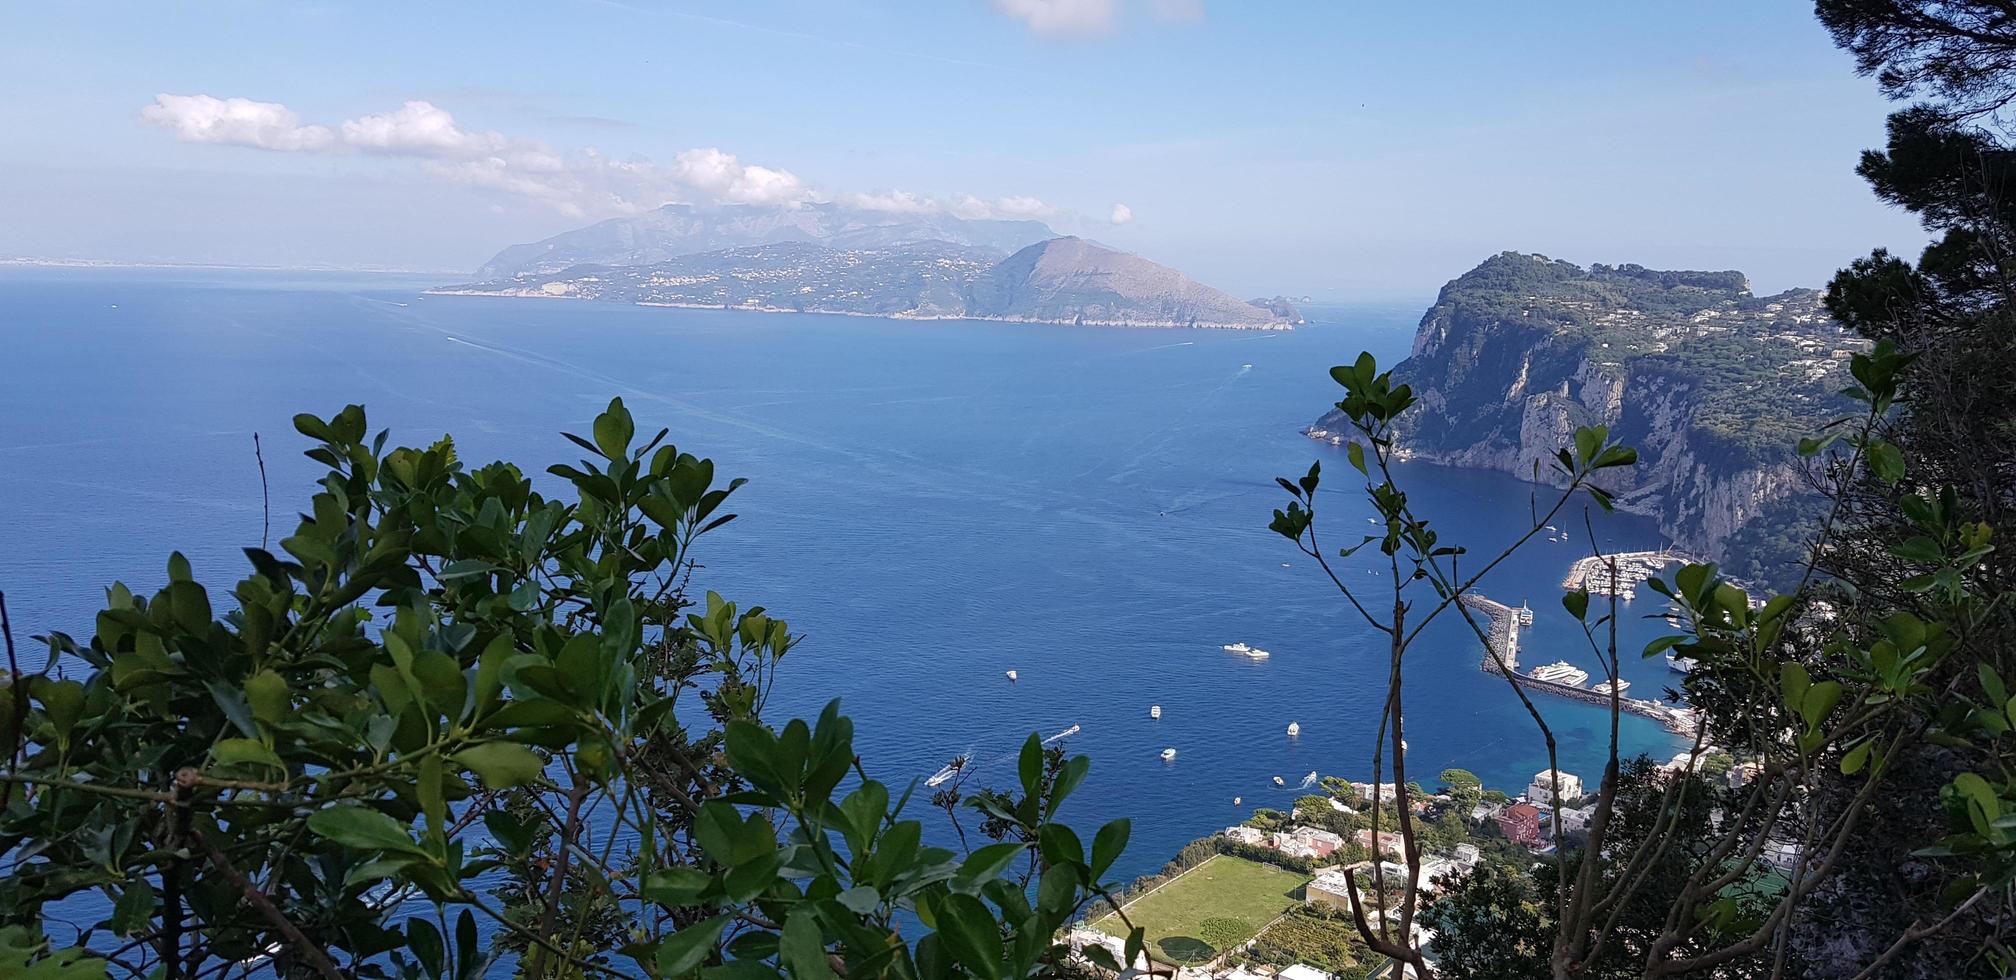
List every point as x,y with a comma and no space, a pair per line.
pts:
823,258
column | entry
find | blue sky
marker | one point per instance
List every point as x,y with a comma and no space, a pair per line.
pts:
1341,149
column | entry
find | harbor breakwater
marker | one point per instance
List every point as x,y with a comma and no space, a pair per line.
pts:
1502,635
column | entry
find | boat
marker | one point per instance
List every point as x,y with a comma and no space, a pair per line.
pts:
1371,520
1678,664
1066,733
1154,711
1168,754
1257,653
948,772
1308,781
1294,729
1561,672
1012,676
1604,687
1236,648
1235,801
1278,781
1551,527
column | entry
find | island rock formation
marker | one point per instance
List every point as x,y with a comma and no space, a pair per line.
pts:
1712,386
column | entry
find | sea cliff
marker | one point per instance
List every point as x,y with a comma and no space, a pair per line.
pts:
1711,384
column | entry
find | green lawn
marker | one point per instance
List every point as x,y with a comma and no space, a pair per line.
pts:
1222,902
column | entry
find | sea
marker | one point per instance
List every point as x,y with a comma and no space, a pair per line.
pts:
931,504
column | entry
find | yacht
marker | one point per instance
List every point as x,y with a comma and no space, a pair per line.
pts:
948,772
1012,676
1604,687
1168,754
1154,711
1561,672
1678,664
1278,781
1236,648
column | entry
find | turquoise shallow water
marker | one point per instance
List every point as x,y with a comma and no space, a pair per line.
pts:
931,504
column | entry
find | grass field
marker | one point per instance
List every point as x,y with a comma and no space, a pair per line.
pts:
1222,902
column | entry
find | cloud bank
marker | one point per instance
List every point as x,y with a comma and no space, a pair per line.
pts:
577,183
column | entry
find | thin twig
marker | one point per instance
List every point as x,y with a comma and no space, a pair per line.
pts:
308,951
265,496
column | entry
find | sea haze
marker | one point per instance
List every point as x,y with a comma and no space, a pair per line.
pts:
930,503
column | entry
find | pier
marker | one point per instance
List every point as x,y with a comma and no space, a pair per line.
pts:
1503,635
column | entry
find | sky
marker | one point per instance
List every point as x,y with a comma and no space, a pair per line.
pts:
1336,148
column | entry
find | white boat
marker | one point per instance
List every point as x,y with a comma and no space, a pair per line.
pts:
1012,676
1066,733
1604,687
1278,781
1309,780
1168,754
1294,729
948,772
1561,672
1236,648
1551,527
1235,801
1678,664
1371,520
259,959
1154,711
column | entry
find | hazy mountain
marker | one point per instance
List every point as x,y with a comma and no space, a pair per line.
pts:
682,229
1064,280
1071,280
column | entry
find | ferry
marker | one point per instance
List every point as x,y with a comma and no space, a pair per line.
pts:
1604,687
948,772
1561,672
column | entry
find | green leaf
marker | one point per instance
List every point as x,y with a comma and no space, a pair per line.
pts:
1577,603
1356,453
502,765
1792,683
1107,845
688,948
971,935
860,899
1887,461
613,429
801,947
366,830
1030,766
134,909
1856,758
62,701
988,862
266,691
677,886
244,752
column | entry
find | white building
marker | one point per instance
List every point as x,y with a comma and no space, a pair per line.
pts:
1247,835
1303,971
1577,821
1541,789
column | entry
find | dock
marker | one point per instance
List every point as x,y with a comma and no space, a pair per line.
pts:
1633,568
1503,635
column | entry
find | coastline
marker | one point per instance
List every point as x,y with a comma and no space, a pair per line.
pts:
1131,324
1504,635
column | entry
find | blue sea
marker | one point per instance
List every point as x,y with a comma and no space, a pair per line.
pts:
931,504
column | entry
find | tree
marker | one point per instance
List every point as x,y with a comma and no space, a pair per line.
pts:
444,678
1463,785
1488,926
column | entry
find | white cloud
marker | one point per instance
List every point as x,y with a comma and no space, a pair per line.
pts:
1121,214
578,183
235,122
1061,18
418,128
725,178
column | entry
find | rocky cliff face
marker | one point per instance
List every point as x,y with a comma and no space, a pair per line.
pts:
1712,385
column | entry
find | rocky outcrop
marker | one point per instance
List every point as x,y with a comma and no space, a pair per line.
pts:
1711,385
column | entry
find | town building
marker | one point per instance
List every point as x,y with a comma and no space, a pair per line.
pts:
1389,843
1323,842
1541,789
1247,835
1520,823
1742,773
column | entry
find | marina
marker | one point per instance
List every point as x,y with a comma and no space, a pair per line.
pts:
1632,568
